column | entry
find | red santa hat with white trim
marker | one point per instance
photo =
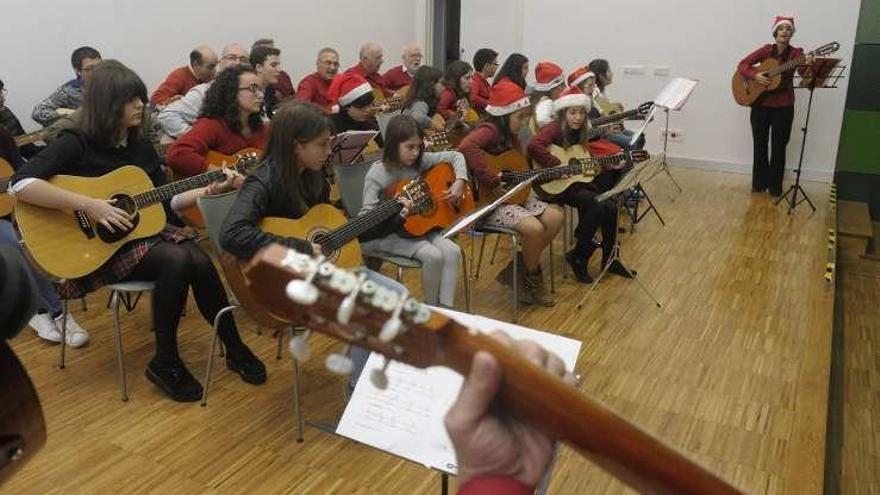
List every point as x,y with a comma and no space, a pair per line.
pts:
780,20
547,76
579,75
506,97
346,88
572,97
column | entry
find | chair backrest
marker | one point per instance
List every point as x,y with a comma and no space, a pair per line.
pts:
350,179
214,210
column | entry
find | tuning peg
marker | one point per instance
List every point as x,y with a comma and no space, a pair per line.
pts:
346,307
303,292
390,329
339,364
299,346
379,377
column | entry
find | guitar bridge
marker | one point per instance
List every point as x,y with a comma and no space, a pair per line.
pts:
85,224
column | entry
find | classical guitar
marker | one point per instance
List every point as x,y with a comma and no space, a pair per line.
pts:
66,244
439,213
7,202
639,112
747,91
338,303
216,160
31,137
326,226
510,163
580,167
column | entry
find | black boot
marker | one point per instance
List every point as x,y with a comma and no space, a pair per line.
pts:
579,267
241,360
174,379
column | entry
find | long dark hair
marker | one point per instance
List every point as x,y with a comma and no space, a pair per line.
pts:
512,69
422,87
221,100
296,122
401,128
502,123
567,133
599,67
111,86
454,73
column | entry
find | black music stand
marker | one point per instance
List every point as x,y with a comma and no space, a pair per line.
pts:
346,147
823,73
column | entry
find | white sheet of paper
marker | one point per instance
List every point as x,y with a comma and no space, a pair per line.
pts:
406,419
676,93
473,217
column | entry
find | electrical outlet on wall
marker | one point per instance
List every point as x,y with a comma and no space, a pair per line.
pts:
675,135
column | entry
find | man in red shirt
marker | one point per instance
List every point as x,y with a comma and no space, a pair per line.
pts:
401,75
314,86
485,65
773,110
371,58
201,68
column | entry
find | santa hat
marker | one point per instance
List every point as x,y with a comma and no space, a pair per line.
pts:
548,75
580,75
571,97
780,20
347,87
506,97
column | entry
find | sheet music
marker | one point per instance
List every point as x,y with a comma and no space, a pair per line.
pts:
676,93
406,419
473,217
631,178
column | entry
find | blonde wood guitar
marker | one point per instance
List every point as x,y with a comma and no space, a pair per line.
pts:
514,168
7,202
31,137
579,167
66,244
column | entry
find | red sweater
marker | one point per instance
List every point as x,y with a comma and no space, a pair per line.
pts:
396,78
448,104
187,155
178,82
494,485
284,86
314,88
480,90
375,79
783,96
484,138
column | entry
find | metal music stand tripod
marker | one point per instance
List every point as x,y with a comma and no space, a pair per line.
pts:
823,73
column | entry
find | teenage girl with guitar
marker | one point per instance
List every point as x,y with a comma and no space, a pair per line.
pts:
455,101
404,158
109,138
422,98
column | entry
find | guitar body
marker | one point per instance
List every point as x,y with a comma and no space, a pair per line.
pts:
7,202
318,221
61,247
192,216
747,91
510,160
441,214
554,188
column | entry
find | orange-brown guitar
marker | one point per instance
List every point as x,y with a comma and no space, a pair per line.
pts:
509,164
441,213
312,292
192,216
747,91
7,202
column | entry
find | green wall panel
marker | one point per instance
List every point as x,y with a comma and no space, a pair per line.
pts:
864,78
859,149
869,22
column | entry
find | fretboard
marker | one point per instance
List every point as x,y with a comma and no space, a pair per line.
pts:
787,65
340,236
615,117
168,191
554,173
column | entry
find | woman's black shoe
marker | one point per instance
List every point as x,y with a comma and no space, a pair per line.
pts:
175,380
579,267
243,362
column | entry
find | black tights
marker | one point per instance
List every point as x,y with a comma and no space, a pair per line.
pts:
174,268
591,216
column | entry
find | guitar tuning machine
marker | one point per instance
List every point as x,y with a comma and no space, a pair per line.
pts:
340,363
379,377
417,311
303,291
346,307
299,346
391,328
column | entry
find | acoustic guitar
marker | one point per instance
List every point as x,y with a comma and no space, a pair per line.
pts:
581,167
66,244
747,91
216,160
439,213
31,137
639,112
7,202
511,164
336,302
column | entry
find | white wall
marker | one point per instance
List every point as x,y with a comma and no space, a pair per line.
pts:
156,36
698,39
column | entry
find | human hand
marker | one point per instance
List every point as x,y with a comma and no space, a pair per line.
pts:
762,79
102,211
62,112
232,179
316,249
407,206
455,192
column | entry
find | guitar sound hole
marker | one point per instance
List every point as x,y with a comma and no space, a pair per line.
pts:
125,203
328,251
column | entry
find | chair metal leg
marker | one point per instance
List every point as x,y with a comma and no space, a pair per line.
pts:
279,335
120,356
209,368
467,284
480,258
552,269
495,251
400,274
515,241
565,216
63,333
297,402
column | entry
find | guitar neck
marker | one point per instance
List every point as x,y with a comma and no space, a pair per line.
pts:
168,191
787,66
615,117
4,184
341,236
554,173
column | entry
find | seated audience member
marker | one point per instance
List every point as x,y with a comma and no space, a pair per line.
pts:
402,75
370,59
230,121
284,86
313,88
13,126
179,116
485,64
266,61
202,64
66,99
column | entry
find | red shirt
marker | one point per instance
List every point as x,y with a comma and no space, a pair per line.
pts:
448,103
187,155
552,134
284,86
484,138
783,96
375,79
314,88
480,90
397,77
178,82
494,485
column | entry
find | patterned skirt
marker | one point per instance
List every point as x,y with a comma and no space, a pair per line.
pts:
508,216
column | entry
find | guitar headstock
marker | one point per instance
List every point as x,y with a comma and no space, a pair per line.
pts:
346,306
645,108
419,193
640,156
437,140
245,162
827,49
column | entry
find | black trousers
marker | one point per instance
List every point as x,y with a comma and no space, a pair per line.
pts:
592,215
770,125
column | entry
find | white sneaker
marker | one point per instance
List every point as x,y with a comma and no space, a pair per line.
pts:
45,327
76,335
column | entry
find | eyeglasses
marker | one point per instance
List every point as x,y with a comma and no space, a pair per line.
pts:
239,58
253,88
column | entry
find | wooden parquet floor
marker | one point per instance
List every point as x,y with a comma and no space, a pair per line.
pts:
732,370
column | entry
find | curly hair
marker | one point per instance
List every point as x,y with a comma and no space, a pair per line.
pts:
422,87
221,100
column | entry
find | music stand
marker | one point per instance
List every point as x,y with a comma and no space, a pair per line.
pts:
673,96
346,147
627,181
823,73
